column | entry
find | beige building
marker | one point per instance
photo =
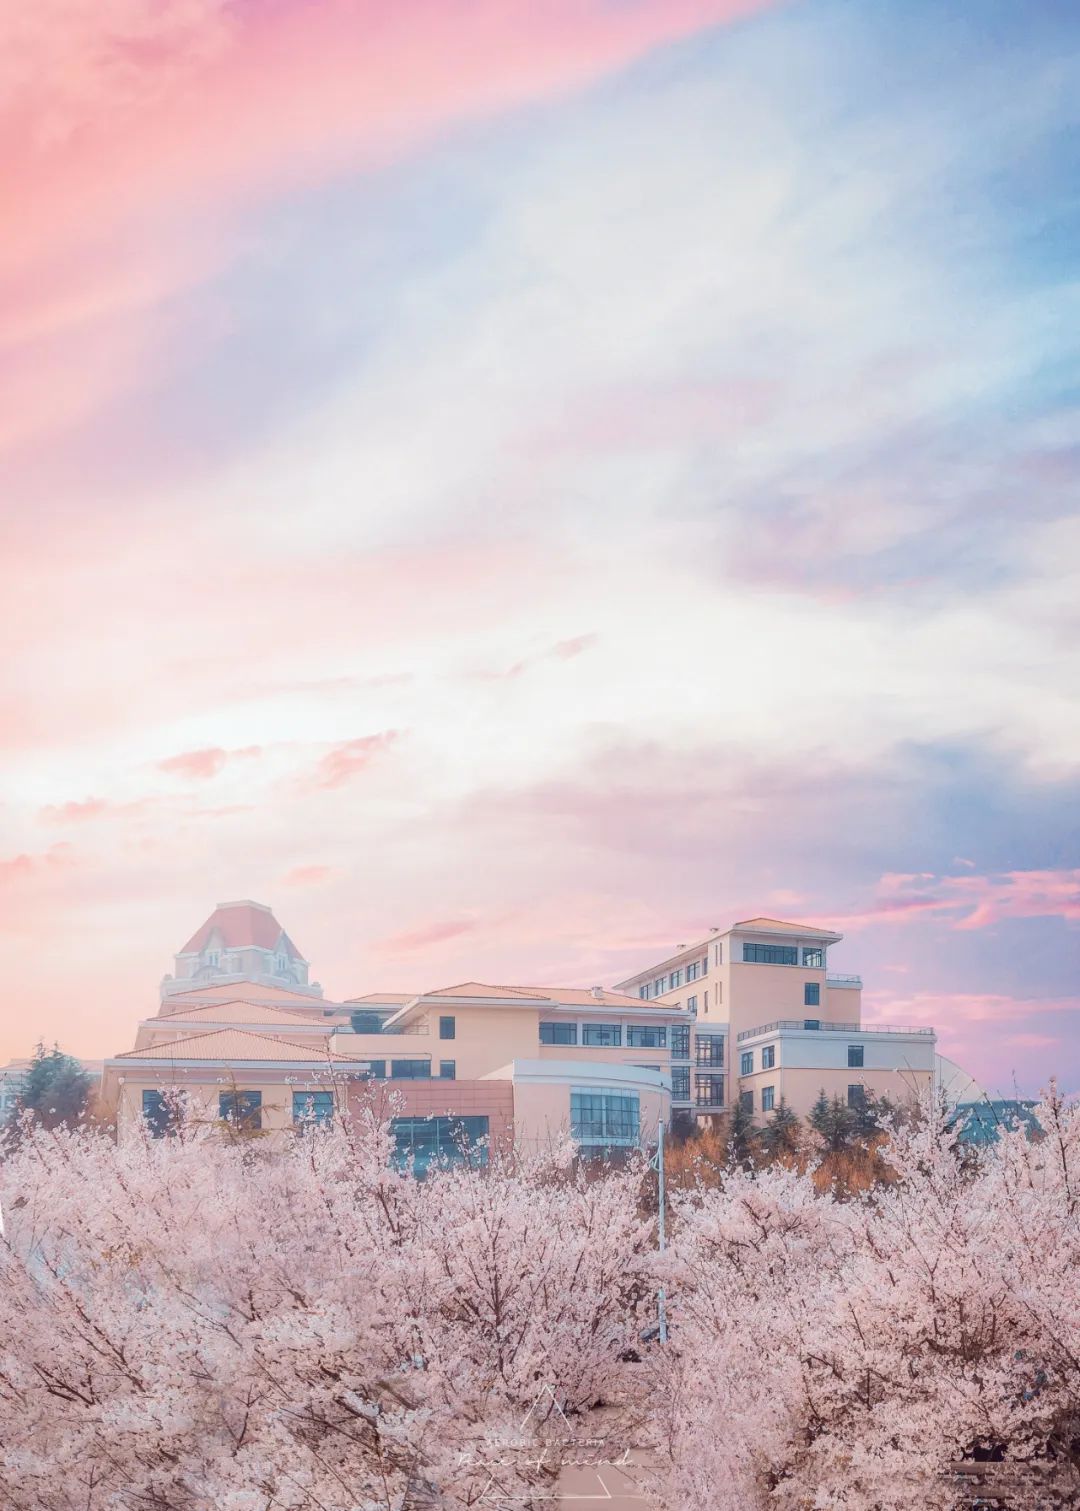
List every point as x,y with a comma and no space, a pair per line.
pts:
774,1022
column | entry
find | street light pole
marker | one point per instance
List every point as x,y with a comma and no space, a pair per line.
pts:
661,1299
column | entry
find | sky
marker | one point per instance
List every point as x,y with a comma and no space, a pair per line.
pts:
514,484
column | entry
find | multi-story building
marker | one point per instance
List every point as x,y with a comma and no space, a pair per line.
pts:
773,1022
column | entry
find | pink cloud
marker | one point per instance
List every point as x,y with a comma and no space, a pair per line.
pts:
201,765
422,938
74,812
345,761
309,876
971,901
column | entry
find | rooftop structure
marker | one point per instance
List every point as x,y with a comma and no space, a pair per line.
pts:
240,941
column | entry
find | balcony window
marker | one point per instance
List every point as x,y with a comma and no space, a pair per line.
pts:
676,980
447,1070
710,1049
680,1083
768,1057
602,1035
811,994
448,1027
242,1108
410,1070
767,1098
640,1036
855,1056
439,1140
680,1041
558,1033
815,959
746,1101
746,1063
856,1096
771,954
313,1108
605,1117
693,970
709,1091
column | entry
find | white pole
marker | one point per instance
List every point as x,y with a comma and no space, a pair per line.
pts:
661,1300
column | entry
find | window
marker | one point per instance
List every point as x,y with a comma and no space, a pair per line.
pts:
709,1091
659,986
855,1056
447,1070
693,970
812,1023
365,1022
213,957
856,1096
410,1070
604,1117
440,1140
156,1112
244,1108
641,1036
680,1041
710,1049
377,1070
771,954
448,1028
705,964
676,980
811,994
605,1034
680,1083
643,992
746,1100
312,1107
282,963
813,958
718,954
746,1063
767,1094
691,1004
706,1002
768,1057
558,1033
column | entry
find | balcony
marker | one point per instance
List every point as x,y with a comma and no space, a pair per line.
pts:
853,983
816,1025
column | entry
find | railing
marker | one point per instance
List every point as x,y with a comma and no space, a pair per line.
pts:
843,980
818,1025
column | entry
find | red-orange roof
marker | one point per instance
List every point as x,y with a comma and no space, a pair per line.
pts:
777,926
229,1044
241,924
244,1012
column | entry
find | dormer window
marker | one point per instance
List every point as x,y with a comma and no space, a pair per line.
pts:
213,957
282,963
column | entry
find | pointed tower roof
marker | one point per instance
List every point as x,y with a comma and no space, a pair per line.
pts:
240,924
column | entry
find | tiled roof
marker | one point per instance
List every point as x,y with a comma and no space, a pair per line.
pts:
240,924
246,991
244,1012
231,1044
571,996
378,997
777,926
479,989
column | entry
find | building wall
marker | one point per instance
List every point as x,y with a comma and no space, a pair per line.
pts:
422,1099
205,1086
799,1088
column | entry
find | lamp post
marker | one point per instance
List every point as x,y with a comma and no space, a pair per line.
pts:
661,1299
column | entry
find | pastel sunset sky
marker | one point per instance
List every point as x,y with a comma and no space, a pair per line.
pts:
515,483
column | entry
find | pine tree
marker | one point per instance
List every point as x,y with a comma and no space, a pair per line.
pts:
781,1134
819,1113
740,1135
55,1089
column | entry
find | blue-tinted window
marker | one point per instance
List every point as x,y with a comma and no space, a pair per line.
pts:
439,1140
365,1022
377,1070
710,1049
812,994
605,1117
855,1056
447,1070
156,1112
448,1028
746,1098
680,1083
709,1091
767,1093
605,1034
693,970
558,1033
746,1063
676,980
642,1036
410,1070
768,1057
312,1106
691,1004
680,1041
813,958
244,1108
771,954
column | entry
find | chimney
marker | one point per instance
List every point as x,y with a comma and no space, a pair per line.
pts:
597,992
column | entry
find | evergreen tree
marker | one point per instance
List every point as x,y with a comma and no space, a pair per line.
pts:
819,1113
781,1134
740,1135
55,1089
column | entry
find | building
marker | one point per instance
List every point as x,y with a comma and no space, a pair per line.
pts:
240,941
773,1022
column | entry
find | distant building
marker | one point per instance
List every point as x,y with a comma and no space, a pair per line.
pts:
240,941
983,1122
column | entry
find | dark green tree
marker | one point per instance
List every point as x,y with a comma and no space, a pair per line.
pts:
836,1122
55,1089
740,1134
781,1133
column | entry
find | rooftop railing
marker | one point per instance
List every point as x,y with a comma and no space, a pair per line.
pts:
831,980
817,1025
